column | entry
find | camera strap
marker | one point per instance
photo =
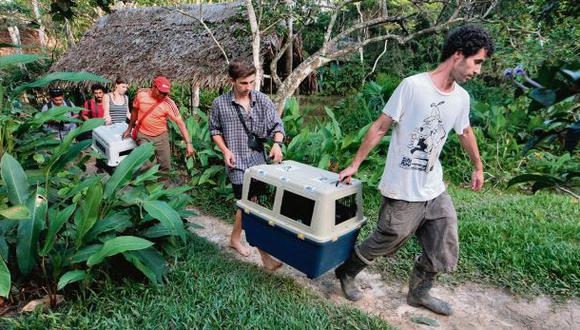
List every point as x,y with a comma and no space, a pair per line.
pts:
239,113
250,136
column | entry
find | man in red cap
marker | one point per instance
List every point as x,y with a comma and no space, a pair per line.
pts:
151,107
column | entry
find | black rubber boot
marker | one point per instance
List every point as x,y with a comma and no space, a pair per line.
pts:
346,274
420,282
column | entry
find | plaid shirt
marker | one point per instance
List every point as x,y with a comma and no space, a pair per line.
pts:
262,120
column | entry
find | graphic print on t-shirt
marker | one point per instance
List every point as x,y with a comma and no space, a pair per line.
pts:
426,142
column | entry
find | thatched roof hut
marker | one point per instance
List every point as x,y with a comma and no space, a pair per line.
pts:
140,43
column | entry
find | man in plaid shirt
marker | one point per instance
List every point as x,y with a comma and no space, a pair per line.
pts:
228,132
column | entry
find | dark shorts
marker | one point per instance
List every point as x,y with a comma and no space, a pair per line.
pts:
256,189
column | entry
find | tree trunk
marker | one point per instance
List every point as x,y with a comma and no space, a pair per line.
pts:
194,96
69,35
293,81
361,51
255,43
290,50
15,37
14,33
41,30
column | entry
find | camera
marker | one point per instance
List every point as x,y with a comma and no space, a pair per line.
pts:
255,143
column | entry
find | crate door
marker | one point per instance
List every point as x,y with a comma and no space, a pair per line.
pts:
345,208
262,194
297,208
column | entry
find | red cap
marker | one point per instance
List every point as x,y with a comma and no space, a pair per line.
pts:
163,84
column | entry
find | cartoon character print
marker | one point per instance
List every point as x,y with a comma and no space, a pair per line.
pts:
426,142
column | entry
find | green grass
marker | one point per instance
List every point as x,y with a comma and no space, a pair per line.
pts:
205,289
209,201
528,244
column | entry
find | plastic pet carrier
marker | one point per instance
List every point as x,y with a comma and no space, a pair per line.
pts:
300,215
109,141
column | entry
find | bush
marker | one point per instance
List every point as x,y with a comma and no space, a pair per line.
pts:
59,224
341,78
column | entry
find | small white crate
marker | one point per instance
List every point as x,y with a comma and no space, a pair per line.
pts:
109,141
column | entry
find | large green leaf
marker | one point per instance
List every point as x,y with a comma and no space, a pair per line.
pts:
19,212
70,155
118,245
158,230
64,146
207,174
28,233
71,277
127,167
4,248
150,262
64,76
115,222
170,193
83,254
53,114
54,226
544,96
167,216
15,180
87,182
89,212
4,278
148,175
18,59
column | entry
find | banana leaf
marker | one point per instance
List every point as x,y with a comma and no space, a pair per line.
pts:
118,245
29,231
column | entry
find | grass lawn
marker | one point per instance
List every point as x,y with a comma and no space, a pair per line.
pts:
528,244
205,289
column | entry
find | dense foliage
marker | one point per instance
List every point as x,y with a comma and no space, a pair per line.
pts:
61,224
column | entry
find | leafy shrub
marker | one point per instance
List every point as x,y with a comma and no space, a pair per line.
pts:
357,111
556,126
341,78
60,224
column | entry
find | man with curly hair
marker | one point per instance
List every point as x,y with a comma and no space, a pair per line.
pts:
425,108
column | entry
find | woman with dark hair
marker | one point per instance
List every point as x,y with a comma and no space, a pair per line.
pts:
116,103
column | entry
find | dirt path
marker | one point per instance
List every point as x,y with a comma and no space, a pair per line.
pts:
476,306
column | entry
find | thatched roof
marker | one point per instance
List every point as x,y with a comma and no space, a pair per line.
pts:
140,43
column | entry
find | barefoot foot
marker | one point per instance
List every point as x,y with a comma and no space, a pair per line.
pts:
273,267
270,263
240,248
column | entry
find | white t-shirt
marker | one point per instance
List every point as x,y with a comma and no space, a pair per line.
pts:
423,118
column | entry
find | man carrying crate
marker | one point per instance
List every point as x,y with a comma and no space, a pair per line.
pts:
425,108
239,123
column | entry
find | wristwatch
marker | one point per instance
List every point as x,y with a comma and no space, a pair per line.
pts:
280,143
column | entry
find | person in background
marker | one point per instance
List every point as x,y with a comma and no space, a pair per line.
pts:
93,108
151,107
116,103
57,99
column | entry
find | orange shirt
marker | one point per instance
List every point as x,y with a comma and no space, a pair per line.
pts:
156,122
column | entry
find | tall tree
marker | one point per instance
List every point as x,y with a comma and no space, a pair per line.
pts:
406,22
